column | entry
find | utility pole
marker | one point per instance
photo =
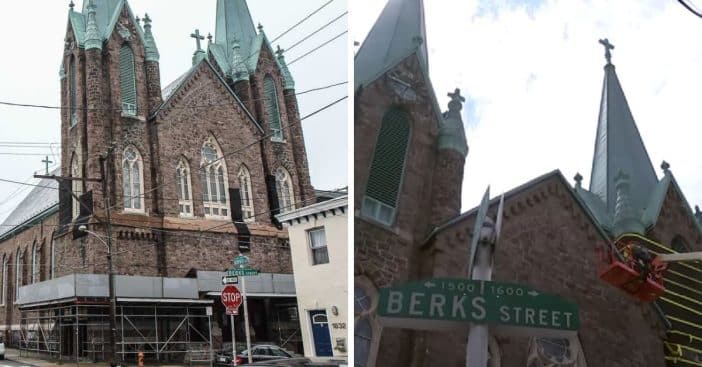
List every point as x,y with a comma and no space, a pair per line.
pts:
104,174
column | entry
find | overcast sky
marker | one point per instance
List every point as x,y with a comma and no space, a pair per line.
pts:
29,74
532,73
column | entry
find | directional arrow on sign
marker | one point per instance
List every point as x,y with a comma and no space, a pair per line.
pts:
429,285
533,293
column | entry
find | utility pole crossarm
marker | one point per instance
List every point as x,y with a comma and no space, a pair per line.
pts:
685,256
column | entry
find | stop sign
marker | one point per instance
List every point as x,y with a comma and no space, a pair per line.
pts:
231,297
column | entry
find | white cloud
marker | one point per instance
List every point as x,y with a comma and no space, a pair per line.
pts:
534,73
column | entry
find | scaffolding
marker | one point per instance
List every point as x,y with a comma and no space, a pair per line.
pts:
78,331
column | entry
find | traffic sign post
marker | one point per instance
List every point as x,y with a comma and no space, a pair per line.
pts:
232,299
233,279
241,260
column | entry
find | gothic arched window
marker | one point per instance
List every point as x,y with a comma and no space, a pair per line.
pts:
132,180
3,297
366,328
272,110
183,186
284,188
76,186
35,263
72,90
127,81
214,180
19,261
52,271
247,206
387,166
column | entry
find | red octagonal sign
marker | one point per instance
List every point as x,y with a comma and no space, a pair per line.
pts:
231,297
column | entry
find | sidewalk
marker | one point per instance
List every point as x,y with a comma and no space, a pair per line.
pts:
14,355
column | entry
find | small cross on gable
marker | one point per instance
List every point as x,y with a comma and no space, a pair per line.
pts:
46,161
198,37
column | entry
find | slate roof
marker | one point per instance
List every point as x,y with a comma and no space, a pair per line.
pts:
42,200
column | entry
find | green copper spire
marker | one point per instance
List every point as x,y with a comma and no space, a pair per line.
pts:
234,23
619,147
149,44
626,218
238,70
105,11
452,135
398,32
93,40
288,81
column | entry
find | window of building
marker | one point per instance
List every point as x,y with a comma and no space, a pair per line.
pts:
214,180
272,110
132,180
284,188
185,202
35,263
53,259
72,91
678,244
127,81
247,206
318,244
366,328
19,261
4,280
76,186
555,352
387,166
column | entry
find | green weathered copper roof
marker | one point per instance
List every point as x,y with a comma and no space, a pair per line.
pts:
288,81
398,32
93,40
234,23
149,41
619,147
106,15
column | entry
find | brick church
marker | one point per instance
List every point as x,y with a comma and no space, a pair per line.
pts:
409,159
193,174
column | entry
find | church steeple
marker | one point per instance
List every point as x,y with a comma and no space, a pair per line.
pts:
619,147
398,32
234,23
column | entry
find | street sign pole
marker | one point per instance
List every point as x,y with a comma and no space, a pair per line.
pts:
231,322
246,319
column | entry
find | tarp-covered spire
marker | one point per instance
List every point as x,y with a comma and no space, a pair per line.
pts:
398,32
234,23
619,147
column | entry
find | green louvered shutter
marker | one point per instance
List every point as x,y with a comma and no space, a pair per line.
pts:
127,81
387,166
271,103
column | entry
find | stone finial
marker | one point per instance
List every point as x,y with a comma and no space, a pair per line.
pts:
152,53
456,103
138,20
608,46
288,81
578,180
209,38
666,168
418,40
93,40
260,28
71,5
697,210
698,214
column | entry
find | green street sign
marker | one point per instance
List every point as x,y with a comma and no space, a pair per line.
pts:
242,272
241,260
444,303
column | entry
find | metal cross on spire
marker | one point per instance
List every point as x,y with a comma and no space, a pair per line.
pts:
46,161
608,46
198,37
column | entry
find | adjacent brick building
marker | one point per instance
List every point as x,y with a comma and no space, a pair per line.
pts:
196,173
409,159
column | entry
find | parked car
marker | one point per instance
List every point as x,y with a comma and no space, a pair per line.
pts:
296,362
2,350
260,353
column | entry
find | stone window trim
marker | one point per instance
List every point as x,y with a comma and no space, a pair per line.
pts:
19,261
246,190
184,188
318,248
272,108
214,178
367,201
128,90
35,276
361,281
72,92
286,192
132,164
52,269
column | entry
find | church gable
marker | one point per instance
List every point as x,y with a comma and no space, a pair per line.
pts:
548,242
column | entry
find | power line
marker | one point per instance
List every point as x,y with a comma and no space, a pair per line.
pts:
318,47
693,9
316,31
303,20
